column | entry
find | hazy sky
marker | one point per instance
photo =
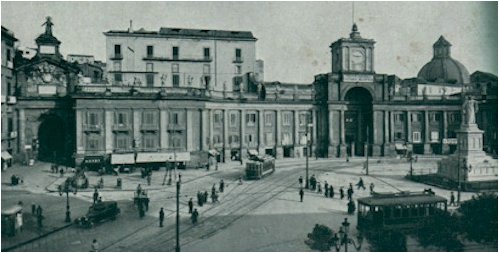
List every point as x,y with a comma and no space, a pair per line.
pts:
293,37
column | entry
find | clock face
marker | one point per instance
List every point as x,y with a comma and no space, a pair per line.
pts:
358,60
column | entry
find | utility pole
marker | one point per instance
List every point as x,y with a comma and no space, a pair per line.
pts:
367,151
177,247
306,162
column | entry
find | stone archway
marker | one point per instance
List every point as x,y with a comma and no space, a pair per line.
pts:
52,139
358,120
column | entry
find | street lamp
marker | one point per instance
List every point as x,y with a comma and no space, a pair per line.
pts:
344,239
367,151
411,158
67,188
309,145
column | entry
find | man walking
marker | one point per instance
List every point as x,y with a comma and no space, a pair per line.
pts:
350,193
161,217
95,246
194,216
300,181
342,193
326,189
331,191
96,195
301,194
371,188
360,184
452,199
191,205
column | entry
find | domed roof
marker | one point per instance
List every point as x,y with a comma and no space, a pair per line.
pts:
442,68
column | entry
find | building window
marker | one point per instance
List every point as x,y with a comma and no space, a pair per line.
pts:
416,137
206,53
93,142
399,117
234,139
238,69
249,138
10,125
268,119
177,142
121,118
454,117
303,119
435,117
399,136
233,119
174,119
176,80
434,136
92,118
269,138
416,117
150,141
150,51
303,139
238,55
217,139
122,141
250,119
218,118
117,50
175,53
148,118
286,118
286,138
9,57
150,80
236,82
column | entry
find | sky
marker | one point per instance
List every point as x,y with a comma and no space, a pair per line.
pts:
293,37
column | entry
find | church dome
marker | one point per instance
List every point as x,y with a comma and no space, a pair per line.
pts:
442,68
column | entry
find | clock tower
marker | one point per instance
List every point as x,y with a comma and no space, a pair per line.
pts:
354,55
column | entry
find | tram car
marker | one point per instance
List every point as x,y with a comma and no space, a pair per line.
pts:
258,167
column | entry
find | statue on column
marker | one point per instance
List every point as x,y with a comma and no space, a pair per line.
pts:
48,26
470,107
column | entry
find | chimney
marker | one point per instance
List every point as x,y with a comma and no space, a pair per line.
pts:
130,29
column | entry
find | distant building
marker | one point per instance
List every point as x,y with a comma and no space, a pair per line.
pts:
9,120
92,70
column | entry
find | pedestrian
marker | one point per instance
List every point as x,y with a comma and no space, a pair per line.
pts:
350,187
350,193
214,197
139,190
149,179
179,178
301,194
300,181
222,185
161,217
96,195
61,171
95,246
191,205
331,191
452,199
213,190
326,189
342,193
371,188
319,190
33,208
205,197
194,216
101,182
200,199
39,211
216,166
240,180
351,207
360,184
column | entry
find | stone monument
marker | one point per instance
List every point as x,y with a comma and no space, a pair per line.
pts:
470,158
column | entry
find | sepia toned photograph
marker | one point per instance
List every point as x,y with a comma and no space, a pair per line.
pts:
249,126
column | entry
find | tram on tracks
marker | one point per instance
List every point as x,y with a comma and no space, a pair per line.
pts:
404,210
258,167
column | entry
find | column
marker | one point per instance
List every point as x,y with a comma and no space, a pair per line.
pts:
226,136
392,130
108,131
202,131
163,128
409,127
22,135
136,130
210,128
278,137
445,147
427,146
315,142
386,140
296,127
189,131
332,144
242,130
79,135
343,147
261,144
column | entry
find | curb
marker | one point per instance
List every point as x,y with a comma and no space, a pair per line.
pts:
37,238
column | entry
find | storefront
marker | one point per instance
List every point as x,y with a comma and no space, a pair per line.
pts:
123,161
93,163
6,160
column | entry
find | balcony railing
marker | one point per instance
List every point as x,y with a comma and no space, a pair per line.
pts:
238,60
92,128
121,127
117,57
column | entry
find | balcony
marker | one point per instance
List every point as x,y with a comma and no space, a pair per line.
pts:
177,59
11,100
117,57
238,60
121,127
13,134
92,128
149,127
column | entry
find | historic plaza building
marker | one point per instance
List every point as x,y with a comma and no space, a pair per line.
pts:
202,91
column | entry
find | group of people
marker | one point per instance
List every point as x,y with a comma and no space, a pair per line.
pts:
37,211
142,201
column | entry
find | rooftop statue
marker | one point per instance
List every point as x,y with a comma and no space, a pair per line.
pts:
48,26
470,107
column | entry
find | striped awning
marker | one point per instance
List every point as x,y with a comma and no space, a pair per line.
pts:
122,158
6,155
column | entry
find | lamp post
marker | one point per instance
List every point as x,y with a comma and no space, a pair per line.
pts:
344,238
171,132
67,188
177,230
411,158
367,151
309,125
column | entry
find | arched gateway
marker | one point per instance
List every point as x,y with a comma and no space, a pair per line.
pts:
52,139
358,120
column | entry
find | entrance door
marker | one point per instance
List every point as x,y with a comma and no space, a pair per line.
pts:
358,119
52,140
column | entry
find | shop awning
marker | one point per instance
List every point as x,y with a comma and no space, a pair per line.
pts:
6,155
163,157
12,210
93,159
400,146
122,158
213,152
253,152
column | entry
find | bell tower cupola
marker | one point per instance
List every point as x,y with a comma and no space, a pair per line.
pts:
48,45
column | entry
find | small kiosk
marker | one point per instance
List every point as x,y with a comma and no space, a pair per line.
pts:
12,220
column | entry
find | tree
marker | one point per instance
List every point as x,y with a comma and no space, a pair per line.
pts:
386,240
440,230
479,218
